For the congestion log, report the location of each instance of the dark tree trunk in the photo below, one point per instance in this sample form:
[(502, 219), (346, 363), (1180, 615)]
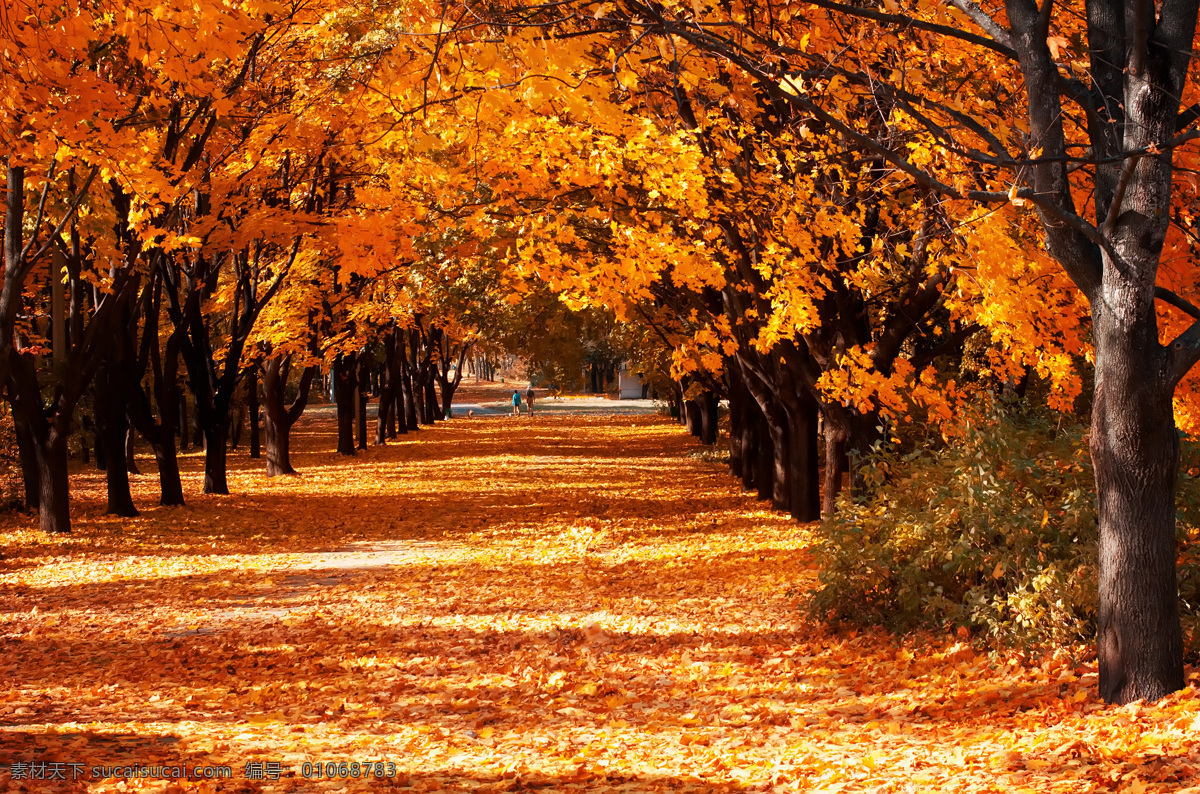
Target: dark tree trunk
[(111, 394), (236, 425), (1135, 452), (385, 416), (170, 485), (708, 418), (763, 470), (345, 379), (847, 434), (418, 397), (691, 413), (277, 434), (395, 423), (791, 422), (130, 458), (804, 501), (27, 456), (408, 394), (182, 429), (253, 407), (165, 370), (837, 445), (86, 433), (53, 499), (738, 396), (215, 480), (388, 382), (280, 417), (431, 400), (362, 395), (48, 441)]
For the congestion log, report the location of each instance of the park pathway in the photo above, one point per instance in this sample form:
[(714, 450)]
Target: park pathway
[(573, 602)]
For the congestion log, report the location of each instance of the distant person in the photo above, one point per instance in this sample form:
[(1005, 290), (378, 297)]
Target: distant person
[(529, 399), (516, 401)]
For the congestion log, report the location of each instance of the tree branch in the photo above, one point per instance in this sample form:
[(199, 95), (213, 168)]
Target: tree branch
[(985, 22), (1184, 305), (908, 22), (1114, 209)]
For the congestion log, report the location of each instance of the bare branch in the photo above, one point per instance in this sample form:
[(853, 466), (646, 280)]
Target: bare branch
[(908, 22), (980, 18), (1167, 296)]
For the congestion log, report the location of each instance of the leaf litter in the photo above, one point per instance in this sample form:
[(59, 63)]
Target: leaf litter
[(572, 603)]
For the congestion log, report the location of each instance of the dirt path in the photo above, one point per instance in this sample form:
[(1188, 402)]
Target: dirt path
[(577, 603)]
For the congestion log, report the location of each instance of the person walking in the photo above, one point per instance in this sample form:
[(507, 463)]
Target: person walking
[(529, 399), (516, 401)]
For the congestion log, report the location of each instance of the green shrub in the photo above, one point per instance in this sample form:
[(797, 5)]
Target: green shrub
[(995, 532)]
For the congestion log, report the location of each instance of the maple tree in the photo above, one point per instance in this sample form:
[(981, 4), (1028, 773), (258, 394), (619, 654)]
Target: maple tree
[(706, 236), (1093, 157)]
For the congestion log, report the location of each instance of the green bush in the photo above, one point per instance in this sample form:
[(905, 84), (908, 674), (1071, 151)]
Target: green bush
[(995, 532)]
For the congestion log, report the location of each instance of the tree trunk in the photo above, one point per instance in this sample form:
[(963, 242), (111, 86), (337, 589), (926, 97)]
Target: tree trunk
[(345, 380), (804, 501), (409, 397), (278, 439), (708, 405), (691, 413), (279, 457), (362, 395), (385, 416), (130, 458), (1135, 452), (215, 480), (169, 484), (253, 406), (183, 427), (54, 494), (763, 471), (418, 396), (847, 433), (98, 449), (837, 445), (389, 386), (236, 425), (110, 396), (431, 400), (738, 396), (168, 400), (279, 418), (27, 455)]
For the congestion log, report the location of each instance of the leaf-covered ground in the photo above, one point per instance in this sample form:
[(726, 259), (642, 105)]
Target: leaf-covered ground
[(568, 603)]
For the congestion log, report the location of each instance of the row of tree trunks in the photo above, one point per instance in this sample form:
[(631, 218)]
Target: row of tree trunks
[(773, 433), (396, 393), (141, 391)]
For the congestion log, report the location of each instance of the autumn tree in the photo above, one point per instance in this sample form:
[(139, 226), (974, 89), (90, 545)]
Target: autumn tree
[(1092, 152)]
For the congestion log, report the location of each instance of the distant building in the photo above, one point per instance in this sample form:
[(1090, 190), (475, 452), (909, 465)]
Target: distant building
[(629, 385)]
